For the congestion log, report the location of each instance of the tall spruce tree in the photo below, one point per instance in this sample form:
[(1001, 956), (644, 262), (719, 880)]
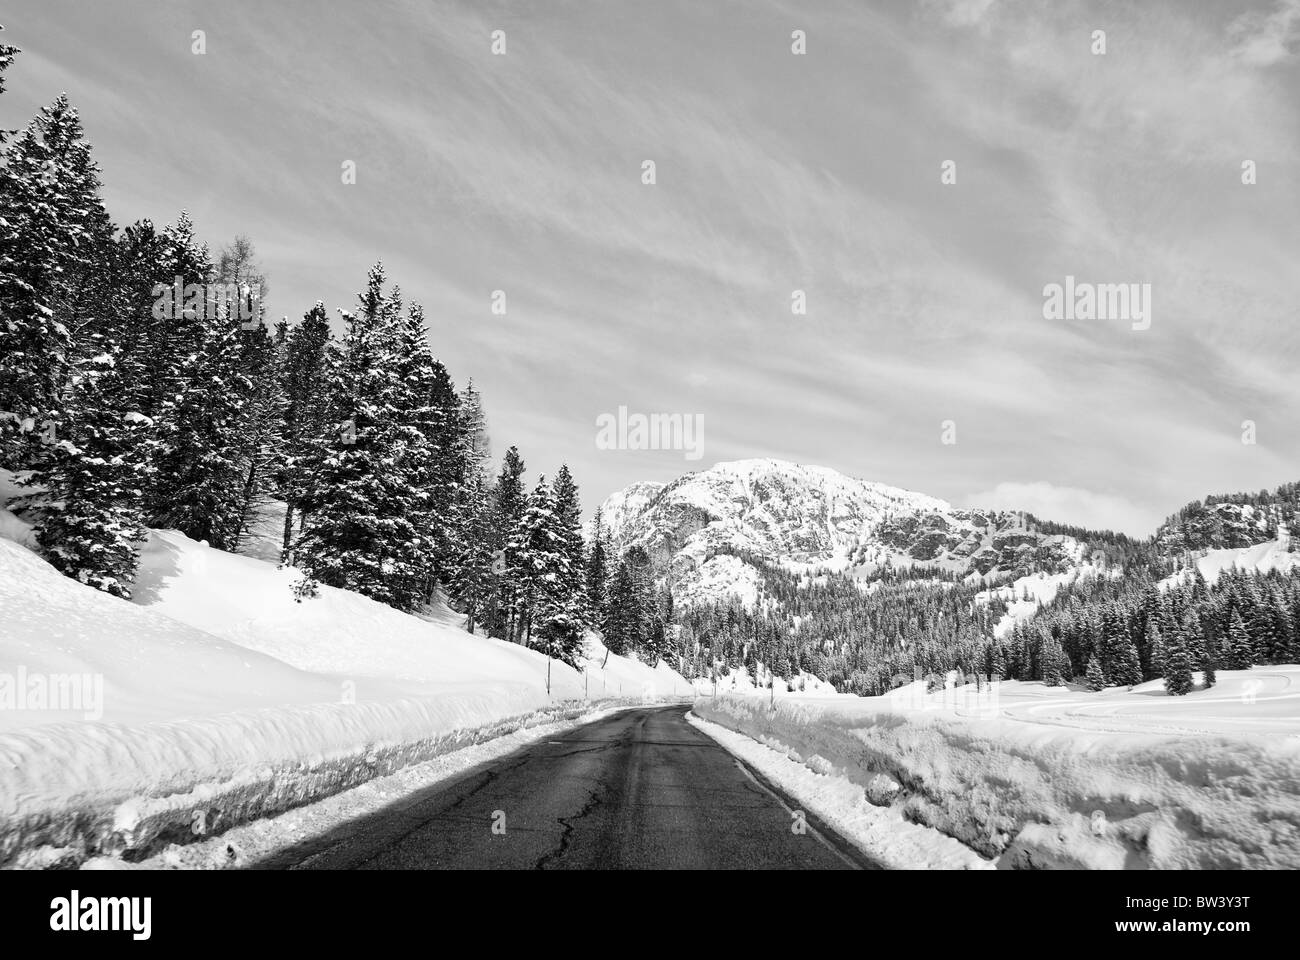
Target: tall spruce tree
[(1096, 678), (52, 230), (508, 501), (361, 531), (1178, 667), (1241, 649), (597, 573), (305, 386)]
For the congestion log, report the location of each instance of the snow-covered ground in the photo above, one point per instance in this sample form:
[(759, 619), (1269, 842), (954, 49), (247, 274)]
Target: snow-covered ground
[(881, 832), (1041, 777), (1261, 558), (214, 690)]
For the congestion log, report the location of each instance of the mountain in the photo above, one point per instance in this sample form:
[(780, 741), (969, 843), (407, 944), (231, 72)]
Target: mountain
[(1233, 521), (709, 532)]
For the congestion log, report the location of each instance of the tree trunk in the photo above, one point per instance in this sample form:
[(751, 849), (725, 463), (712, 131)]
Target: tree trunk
[(286, 549)]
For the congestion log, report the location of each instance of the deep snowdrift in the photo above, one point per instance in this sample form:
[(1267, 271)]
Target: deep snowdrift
[(215, 698), (1050, 777)]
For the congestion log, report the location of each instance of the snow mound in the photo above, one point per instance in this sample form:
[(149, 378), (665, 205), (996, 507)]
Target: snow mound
[(1051, 777)]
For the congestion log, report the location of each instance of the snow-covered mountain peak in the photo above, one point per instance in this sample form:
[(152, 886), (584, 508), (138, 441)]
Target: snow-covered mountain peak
[(804, 517), (774, 508)]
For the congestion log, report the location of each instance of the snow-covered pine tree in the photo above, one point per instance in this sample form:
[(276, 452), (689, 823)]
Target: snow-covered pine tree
[(998, 661), (359, 533), (178, 327), (1284, 628), (1053, 658), (468, 568), (474, 428), (1263, 633), (1156, 647), (200, 469), (1128, 671), (507, 510), (305, 385), (622, 629), (94, 476), (1095, 677), (90, 515), (417, 422), (7, 54), (540, 565), (568, 515), (262, 438), (597, 572), (1241, 649), (1211, 659), (1178, 667), (451, 471), (239, 294), (470, 577), (52, 228)]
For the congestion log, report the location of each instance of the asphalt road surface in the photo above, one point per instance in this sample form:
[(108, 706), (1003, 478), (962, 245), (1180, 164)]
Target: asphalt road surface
[(640, 789)]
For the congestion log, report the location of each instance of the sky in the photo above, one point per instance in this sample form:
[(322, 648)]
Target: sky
[(774, 172)]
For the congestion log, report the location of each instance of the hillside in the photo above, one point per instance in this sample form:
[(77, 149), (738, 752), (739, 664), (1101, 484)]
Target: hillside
[(214, 689)]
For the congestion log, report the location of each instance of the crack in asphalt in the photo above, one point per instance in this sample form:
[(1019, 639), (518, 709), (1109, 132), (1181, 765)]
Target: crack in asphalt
[(594, 800), (569, 823)]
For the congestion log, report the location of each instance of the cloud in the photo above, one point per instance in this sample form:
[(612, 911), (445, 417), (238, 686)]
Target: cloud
[(1071, 505), (1263, 40)]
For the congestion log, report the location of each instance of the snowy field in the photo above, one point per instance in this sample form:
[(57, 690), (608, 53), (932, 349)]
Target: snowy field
[(215, 698), (1031, 776)]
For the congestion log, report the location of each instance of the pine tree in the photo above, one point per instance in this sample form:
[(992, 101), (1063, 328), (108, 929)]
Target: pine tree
[(1283, 639), (507, 511), (305, 386), (452, 466), (51, 231), (622, 631), (597, 572), (1095, 678), (360, 531), (1211, 660), (474, 424), (1128, 671), (1194, 637), (568, 515), (1241, 650), (1053, 658), (470, 577), (7, 54), (1263, 638), (199, 469), (1156, 646), (416, 424), (467, 568), (543, 575), (91, 511), (1178, 668)]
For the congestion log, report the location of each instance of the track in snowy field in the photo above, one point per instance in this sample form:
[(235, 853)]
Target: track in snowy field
[(638, 789)]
